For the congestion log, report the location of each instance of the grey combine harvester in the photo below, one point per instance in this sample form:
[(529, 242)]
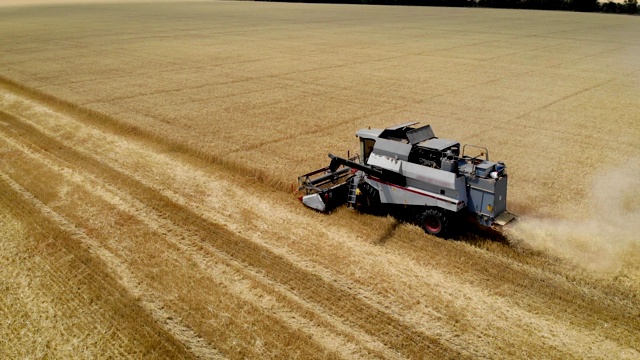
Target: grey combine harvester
[(407, 170)]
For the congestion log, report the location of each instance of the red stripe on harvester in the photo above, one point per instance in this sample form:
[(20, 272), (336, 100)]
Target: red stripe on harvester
[(414, 191)]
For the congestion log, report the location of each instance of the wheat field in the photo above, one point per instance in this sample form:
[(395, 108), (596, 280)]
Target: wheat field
[(149, 153)]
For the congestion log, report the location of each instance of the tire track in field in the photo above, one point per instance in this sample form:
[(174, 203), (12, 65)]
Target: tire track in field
[(314, 131), (575, 93), (586, 305), (202, 254), (170, 322), (486, 302), (117, 126), (336, 335), (69, 235), (54, 281), (391, 331)]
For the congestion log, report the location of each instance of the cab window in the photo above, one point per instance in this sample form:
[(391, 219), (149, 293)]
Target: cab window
[(366, 147)]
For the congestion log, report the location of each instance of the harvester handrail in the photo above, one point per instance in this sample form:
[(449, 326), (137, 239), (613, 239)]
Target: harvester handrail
[(485, 153)]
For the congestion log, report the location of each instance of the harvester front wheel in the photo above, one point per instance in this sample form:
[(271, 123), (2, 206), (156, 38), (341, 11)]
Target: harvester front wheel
[(435, 222), (369, 199)]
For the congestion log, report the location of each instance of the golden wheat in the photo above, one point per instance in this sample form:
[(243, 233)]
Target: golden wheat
[(159, 151)]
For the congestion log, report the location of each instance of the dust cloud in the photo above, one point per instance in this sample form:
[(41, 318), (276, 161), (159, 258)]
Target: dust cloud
[(605, 240)]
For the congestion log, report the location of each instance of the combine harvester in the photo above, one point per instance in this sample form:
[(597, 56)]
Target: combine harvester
[(410, 173)]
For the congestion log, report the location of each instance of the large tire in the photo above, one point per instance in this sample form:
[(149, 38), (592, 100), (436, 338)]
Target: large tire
[(435, 222), (369, 199)]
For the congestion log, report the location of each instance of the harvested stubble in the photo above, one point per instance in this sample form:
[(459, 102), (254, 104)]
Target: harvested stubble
[(138, 142)]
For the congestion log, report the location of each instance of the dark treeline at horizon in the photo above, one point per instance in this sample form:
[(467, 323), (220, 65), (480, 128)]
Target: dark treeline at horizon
[(627, 7)]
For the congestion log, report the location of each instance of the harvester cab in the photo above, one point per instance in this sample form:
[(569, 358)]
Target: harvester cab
[(409, 171)]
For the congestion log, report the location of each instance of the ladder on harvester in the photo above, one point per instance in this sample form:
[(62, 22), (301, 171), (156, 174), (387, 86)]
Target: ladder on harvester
[(353, 190)]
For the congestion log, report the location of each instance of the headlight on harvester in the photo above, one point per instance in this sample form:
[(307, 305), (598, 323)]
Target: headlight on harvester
[(494, 174)]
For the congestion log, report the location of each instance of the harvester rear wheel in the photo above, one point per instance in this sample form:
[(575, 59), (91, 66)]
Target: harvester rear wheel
[(435, 222)]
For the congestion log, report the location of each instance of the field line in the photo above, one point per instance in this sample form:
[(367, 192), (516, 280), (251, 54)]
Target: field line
[(109, 123), (170, 322), (568, 96)]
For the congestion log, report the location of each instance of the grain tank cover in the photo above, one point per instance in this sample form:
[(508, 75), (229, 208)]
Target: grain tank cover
[(369, 133), (438, 144), (403, 125), (392, 149), (420, 134)]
